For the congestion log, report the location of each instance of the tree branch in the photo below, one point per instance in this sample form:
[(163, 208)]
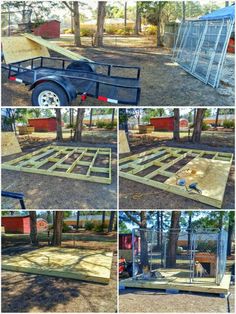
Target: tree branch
[(131, 217), (68, 6)]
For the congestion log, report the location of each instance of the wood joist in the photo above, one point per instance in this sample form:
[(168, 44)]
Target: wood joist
[(207, 168), (82, 163)]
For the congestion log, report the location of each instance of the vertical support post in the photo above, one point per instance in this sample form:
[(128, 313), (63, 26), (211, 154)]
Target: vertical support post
[(133, 252)]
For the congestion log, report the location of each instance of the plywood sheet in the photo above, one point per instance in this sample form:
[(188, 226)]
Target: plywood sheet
[(88, 265), (123, 143), (210, 175), (10, 144), (173, 280), (20, 48), (45, 43)]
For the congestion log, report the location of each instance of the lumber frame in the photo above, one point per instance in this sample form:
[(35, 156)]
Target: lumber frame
[(33, 162), (158, 155)]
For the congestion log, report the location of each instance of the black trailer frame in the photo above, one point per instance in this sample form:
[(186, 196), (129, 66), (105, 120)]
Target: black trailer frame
[(76, 77)]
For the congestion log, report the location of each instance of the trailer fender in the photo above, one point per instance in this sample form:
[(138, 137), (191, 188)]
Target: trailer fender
[(62, 82)]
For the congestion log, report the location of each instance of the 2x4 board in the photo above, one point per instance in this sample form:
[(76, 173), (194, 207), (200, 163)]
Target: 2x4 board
[(163, 167), (89, 265), (82, 163)]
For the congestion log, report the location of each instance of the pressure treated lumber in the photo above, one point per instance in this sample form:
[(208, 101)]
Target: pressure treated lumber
[(45, 43), (123, 143), (79, 264), (173, 280), (10, 144), (210, 170), (19, 48), (82, 163)]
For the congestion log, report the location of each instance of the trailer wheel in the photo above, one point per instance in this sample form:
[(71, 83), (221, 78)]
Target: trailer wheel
[(80, 65), (49, 94)]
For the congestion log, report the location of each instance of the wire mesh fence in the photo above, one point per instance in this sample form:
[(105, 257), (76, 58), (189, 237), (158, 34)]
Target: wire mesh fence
[(186, 255), (201, 46)]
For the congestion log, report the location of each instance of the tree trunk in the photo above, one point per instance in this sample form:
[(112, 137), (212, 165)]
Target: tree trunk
[(136, 27), (111, 221), (91, 118), (125, 14), (77, 220), (196, 137), (189, 229), (100, 23), (176, 125), (103, 218), (113, 117), (77, 23), (173, 240), (33, 228), (79, 125), (144, 244), (59, 128), (183, 11), (57, 228), (159, 40), (217, 117)]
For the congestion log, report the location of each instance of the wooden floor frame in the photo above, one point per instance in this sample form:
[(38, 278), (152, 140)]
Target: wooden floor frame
[(134, 163), (203, 287), (33, 161)]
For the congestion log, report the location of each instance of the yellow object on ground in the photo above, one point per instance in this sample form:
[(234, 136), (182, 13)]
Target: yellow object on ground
[(123, 143), (80, 264), (10, 144)]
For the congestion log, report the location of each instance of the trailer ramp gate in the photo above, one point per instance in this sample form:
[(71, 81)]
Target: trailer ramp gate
[(201, 46)]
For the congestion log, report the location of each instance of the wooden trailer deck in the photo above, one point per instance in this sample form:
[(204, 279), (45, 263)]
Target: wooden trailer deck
[(176, 279), (79, 264), (156, 168), (82, 163)]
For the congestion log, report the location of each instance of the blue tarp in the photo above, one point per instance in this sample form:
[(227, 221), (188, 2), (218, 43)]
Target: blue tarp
[(227, 12)]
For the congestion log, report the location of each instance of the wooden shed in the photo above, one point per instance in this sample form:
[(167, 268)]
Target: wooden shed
[(49, 29), (44, 124), (21, 224), (167, 123)]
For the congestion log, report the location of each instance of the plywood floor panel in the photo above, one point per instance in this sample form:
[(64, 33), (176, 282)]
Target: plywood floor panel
[(80, 264)]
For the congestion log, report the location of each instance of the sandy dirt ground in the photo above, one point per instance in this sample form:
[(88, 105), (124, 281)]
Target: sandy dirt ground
[(45, 192), (162, 81), (156, 301), (35, 293), (134, 195)]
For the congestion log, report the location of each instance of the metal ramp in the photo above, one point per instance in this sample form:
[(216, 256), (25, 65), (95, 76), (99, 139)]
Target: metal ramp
[(201, 46)]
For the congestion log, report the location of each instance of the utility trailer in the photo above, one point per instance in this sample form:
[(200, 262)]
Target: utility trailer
[(58, 81)]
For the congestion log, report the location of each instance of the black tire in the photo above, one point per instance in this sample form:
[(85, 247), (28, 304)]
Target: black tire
[(82, 66), (57, 93)]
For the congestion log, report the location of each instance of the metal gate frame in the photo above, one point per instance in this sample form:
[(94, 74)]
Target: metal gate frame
[(180, 47)]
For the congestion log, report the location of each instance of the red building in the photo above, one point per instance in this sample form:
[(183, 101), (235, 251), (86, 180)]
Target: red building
[(125, 241), (21, 224), (167, 123), (49, 29), (44, 124)]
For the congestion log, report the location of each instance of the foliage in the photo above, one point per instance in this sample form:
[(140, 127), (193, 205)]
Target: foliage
[(207, 246), (65, 228), (123, 228), (228, 124), (100, 227), (86, 31), (89, 225), (205, 126), (151, 30), (100, 124)]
